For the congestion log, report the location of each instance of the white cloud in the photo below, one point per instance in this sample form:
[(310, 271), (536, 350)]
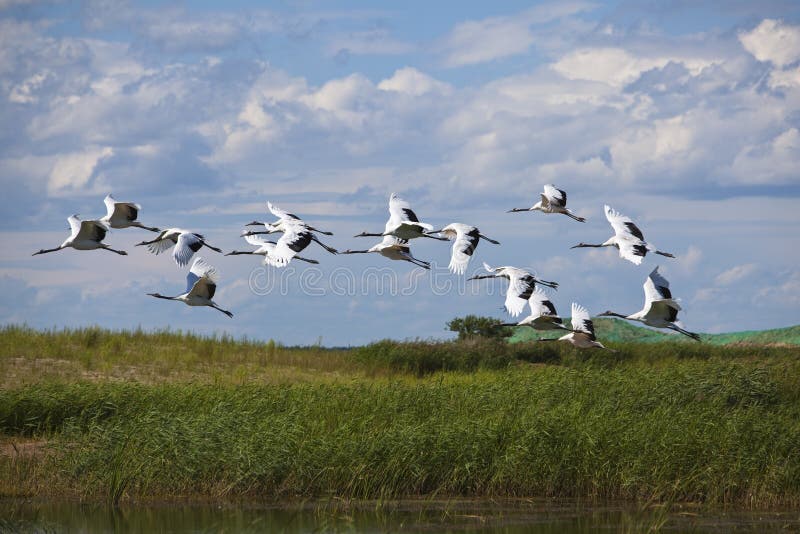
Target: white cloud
[(72, 172), (773, 41), (735, 274), (774, 161), (410, 81), (479, 41), (616, 66)]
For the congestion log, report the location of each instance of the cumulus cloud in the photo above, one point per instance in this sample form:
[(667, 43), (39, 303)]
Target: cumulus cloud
[(410, 81), (735, 274), (73, 171), (774, 41), (479, 41)]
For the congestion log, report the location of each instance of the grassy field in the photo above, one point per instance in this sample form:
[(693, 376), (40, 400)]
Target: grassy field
[(130, 416), (620, 331)]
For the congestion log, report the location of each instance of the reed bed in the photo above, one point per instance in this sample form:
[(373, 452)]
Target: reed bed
[(650, 423)]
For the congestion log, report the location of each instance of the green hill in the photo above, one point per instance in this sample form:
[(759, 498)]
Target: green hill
[(617, 331)]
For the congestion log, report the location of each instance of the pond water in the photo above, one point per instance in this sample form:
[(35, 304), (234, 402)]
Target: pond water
[(507, 517)]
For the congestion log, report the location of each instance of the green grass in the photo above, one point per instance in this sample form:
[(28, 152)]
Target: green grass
[(661, 422), (620, 331)]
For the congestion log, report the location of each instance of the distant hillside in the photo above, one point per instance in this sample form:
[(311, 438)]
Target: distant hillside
[(617, 330)]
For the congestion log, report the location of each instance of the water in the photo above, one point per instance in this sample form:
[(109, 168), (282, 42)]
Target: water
[(506, 517)]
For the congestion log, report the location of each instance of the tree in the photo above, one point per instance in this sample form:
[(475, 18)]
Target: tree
[(473, 326)]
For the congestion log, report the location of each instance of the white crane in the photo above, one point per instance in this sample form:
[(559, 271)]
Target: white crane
[(543, 314), (520, 286), (466, 240), (85, 235), (552, 201), (660, 309), (582, 335), (403, 223), (283, 215), (394, 249), (265, 248), (123, 214), (296, 237), (201, 284), (627, 238), (186, 244)]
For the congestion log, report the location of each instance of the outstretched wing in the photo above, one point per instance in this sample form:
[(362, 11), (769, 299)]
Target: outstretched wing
[(281, 214), (255, 240), (162, 244), (623, 226), (656, 287), (540, 304), (188, 243), (400, 210), (74, 225), (109, 202), (555, 197), (294, 239), (633, 251), (463, 247), (519, 291), (92, 230), (202, 279), (581, 322)]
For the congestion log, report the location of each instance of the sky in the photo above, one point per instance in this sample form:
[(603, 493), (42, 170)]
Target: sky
[(682, 115)]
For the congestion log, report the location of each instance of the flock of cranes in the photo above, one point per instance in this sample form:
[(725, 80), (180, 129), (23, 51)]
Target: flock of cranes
[(660, 308)]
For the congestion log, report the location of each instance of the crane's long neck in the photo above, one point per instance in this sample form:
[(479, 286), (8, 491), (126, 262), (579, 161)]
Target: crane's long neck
[(237, 252), (348, 251), (160, 296), (46, 250), (589, 245), (366, 234), (613, 314)]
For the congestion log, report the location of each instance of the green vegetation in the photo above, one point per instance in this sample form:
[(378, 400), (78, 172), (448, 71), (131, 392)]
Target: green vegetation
[(473, 326), (116, 416), (620, 331)]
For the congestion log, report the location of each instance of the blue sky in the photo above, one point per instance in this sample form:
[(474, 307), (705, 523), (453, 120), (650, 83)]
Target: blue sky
[(682, 115)]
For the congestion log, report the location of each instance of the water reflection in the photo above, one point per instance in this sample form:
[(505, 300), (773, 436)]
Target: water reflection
[(496, 517)]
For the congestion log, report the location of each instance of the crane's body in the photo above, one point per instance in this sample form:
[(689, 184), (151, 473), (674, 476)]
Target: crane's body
[(543, 314), (283, 217), (660, 309), (201, 285), (296, 237), (552, 200), (186, 244), (84, 235), (123, 215), (403, 223), (465, 240), (392, 248), (264, 248), (520, 287), (582, 335), (627, 238)]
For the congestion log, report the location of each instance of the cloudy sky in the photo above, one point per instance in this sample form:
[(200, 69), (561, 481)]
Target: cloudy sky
[(682, 115)]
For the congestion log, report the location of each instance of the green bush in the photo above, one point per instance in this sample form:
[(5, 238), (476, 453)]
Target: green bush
[(473, 326)]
